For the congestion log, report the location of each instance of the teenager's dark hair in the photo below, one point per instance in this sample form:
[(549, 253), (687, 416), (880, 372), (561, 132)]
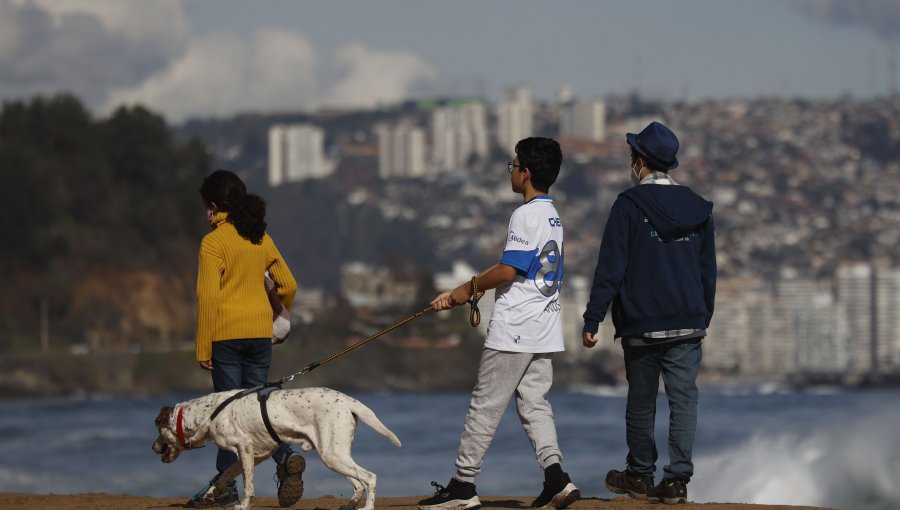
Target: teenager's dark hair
[(543, 157), (247, 212)]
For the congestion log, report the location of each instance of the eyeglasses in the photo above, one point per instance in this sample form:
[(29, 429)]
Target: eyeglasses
[(511, 165)]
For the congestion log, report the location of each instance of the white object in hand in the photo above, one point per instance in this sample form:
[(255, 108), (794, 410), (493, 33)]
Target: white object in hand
[(281, 328)]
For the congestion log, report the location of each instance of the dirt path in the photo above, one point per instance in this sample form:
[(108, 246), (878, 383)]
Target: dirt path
[(125, 502)]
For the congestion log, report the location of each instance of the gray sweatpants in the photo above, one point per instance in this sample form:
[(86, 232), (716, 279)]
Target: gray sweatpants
[(500, 375)]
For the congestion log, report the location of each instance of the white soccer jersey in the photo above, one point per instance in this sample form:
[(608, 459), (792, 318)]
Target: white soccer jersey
[(526, 316)]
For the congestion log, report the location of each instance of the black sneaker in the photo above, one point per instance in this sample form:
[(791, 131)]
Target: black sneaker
[(670, 492), (456, 495), (209, 497), (624, 482), (289, 478), (558, 493)]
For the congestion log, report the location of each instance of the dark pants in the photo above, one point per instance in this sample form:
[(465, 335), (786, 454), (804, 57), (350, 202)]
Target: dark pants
[(678, 362), (241, 364)]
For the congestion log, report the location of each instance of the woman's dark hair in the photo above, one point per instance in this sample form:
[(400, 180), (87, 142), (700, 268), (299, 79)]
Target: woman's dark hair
[(543, 157), (247, 212)]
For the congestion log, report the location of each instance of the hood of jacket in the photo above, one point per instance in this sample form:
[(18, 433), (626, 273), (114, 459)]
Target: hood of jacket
[(673, 210)]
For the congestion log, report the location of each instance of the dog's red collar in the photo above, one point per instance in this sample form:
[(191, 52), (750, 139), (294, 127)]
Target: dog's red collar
[(180, 430)]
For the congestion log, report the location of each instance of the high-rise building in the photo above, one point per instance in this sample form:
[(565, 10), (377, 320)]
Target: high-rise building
[(848, 327), (760, 339), (809, 328), (458, 133), (740, 337), (297, 152), (855, 296), (821, 335), (887, 319), (584, 120), (401, 151), (515, 117)]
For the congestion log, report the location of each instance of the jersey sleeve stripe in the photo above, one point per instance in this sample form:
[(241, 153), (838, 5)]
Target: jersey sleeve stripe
[(521, 260)]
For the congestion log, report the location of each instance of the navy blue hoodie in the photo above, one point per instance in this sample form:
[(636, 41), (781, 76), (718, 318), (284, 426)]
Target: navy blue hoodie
[(657, 263)]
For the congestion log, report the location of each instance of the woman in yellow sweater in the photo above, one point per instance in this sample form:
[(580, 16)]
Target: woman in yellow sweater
[(234, 316)]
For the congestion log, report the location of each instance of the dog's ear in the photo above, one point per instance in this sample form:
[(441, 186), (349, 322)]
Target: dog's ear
[(162, 419)]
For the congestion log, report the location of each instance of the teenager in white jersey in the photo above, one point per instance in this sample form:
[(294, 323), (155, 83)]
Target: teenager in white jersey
[(523, 334)]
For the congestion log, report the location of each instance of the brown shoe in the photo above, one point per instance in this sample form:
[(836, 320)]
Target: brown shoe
[(289, 476), (624, 482), (670, 492)]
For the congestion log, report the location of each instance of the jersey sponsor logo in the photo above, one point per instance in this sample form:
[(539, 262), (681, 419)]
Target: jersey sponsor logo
[(555, 222), (517, 238)]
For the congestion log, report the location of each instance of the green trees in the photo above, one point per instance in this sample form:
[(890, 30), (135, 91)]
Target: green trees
[(94, 213)]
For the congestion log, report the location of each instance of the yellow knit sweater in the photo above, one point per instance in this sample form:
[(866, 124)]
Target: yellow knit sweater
[(231, 295)]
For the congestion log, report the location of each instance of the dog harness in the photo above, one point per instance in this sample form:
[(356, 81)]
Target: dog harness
[(262, 392)]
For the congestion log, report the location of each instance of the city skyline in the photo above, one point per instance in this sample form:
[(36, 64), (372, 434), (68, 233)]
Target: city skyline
[(205, 58), (788, 324)]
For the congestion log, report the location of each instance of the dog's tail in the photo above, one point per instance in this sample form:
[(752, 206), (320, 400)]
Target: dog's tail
[(366, 416)]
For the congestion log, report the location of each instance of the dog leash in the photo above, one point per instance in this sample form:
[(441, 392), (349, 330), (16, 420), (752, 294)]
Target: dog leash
[(309, 368), (474, 320), (267, 388), (474, 312)]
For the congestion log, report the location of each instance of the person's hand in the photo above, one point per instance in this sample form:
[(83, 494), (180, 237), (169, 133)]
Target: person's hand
[(442, 302), (460, 295), (206, 365), (449, 299), (587, 339)]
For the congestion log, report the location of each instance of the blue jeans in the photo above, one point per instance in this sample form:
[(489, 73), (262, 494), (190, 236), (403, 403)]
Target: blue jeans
[(241, 364), (679, 363)]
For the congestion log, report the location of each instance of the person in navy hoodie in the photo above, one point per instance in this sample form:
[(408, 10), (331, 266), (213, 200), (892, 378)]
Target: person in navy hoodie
[(657, 267)]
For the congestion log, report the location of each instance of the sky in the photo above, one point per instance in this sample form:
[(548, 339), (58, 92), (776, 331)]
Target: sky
[(217, 58)]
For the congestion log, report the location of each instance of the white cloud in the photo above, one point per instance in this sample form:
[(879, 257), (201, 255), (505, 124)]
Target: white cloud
[(85, 47), (110, 52), (161, 23), (222, 73), (367, 77)]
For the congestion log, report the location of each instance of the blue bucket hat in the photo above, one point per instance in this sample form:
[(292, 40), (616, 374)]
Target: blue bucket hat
[(657, 143)]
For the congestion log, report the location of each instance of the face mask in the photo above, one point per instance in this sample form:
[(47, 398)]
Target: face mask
[(635, 176)]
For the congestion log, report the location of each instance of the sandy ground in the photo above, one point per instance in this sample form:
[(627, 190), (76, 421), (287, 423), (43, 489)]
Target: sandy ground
[(126, 502)]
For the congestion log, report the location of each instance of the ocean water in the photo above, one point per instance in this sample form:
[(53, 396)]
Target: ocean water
[(755, 444)]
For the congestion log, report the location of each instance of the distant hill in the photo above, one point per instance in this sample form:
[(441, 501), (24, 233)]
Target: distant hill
[(101, 223)]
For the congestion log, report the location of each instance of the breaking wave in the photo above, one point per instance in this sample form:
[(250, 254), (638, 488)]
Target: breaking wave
[(850, 463)]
